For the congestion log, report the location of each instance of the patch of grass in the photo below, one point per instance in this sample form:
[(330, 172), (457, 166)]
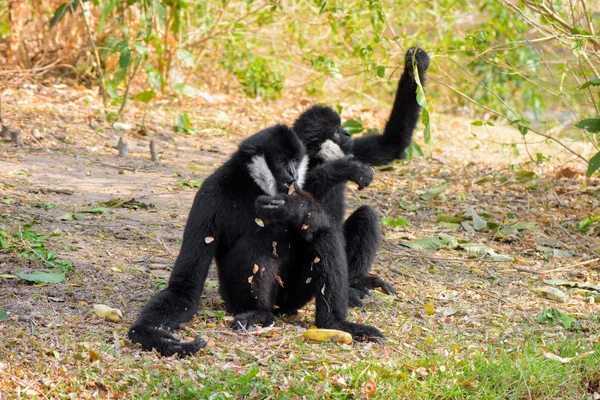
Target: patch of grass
[(29, 244)]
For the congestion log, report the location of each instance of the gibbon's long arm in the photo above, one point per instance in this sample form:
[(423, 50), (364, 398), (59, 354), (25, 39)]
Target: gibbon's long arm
[(397, 136), (179, 302), (322, 178)]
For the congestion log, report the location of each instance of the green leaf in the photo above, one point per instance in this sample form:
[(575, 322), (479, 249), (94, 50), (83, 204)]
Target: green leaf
[(398, 221), (524, 225), (433, 243), (591, 125), (353, 126), (422, 101), (3, 315), (42, 277), (142, 49), (125, 59), (591, 82), (185, 89), (593, 165), (46, 206), (62, 10), (477, 123), (478, 222), (8, 276), (145, 96), (434, 193), (381, 71), (448, 218), (525, 176), (97, 210), (186, 58)]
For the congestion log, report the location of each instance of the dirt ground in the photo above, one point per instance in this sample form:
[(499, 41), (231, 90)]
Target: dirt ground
[(123, 256)]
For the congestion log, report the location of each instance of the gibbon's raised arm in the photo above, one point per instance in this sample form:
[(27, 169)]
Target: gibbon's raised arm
[(398, 132)]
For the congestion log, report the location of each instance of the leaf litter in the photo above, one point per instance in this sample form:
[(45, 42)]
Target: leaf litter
[(470, 284)]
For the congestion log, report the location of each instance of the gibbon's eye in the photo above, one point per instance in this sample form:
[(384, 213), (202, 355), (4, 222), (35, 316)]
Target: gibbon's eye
[(280, 160)]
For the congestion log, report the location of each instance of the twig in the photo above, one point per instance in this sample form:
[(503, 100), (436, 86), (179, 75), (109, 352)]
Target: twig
[(568, 267), (89, 32), (27, 385), (162, 243), (135, 69)]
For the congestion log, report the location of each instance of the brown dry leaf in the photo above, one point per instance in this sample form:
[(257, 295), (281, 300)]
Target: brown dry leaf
[(278, 279), (316, 260), (250, 279), (93, 355), (304, 227), (292, 190), (275, 249), (209, 239), (369, 388), (255, 269)]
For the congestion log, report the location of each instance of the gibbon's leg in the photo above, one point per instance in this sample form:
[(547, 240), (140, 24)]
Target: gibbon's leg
[(248, 281), (331, 283), (363, 237), (179, 302)]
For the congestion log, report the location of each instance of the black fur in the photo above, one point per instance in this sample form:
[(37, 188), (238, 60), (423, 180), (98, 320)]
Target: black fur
[(328, 177), (222, 225)]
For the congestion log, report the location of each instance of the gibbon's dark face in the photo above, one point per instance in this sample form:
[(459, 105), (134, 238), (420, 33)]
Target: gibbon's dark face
[(279, 160), (319, 128)]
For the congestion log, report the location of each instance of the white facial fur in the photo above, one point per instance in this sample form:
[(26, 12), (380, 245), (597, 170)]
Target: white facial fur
[(262, 175), (302, 168), (330, 151)]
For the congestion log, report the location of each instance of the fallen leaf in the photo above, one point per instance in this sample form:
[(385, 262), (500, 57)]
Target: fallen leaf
[(316, 260), (304, 227), (278, 279), (332, 335), (255, 269), (292, 190), (108, 313), (259, 222), (93, 355), (42, 277), (550, 293), (368, 388), (429, 309), (250, 279), (209, 239)]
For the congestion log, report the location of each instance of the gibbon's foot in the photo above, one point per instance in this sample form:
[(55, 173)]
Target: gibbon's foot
[(367, 283), (358, 331), (151, 337), (421, 58), (244, 321), (355, 297)]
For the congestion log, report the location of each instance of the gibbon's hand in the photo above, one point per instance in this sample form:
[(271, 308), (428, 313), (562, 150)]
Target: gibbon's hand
[(421, 58)]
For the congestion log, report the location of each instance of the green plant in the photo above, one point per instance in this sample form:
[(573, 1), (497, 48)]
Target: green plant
[(29, 244)]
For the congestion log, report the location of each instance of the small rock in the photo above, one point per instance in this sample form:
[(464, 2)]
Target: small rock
[(36, 133)]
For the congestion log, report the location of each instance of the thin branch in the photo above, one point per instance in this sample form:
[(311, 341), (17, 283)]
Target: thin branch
[(89, 32)]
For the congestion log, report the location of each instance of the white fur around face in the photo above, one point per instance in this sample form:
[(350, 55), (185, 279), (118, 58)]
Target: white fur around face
[(330, 151), (302, 168), (262, 175)]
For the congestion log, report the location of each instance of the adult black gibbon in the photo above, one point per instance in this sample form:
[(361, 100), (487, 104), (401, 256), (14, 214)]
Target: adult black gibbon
[(256, 265), (335, 158)]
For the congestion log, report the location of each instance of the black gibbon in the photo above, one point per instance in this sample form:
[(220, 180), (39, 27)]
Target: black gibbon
[(335, 159), (294, 257)]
